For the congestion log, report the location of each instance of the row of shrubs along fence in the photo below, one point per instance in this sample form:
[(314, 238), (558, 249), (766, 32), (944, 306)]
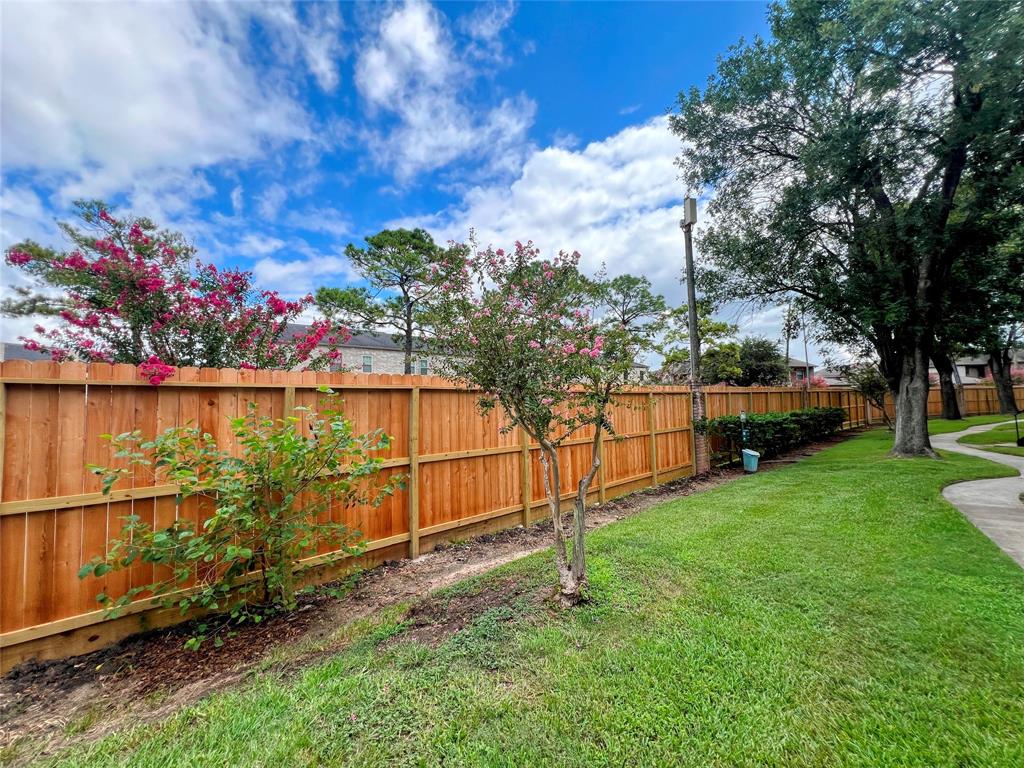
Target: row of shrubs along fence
[(465, 474), (772, 433)]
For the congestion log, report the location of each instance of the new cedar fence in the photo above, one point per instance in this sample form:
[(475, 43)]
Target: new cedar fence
[(466, 475)]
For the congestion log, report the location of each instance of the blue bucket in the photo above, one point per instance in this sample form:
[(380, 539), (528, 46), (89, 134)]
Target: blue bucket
[(750, 460)]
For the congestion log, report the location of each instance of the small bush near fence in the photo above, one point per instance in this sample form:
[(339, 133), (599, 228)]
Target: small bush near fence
[(272, 507), (773, 433)]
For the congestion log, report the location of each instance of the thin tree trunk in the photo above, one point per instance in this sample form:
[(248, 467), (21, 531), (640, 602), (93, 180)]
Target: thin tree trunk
[(999, 362), (579, 557), (408, 337), (911, 399), (807, 365), (947, 387), (552, 477)]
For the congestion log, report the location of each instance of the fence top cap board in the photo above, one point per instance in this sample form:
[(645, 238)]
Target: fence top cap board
[(121, 374)]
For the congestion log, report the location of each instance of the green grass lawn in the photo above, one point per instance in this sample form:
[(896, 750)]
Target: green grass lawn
[(943, 426), (835, 612), (990, 439)]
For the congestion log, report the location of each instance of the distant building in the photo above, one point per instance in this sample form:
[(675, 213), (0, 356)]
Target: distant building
[(833, 377), (376, 352), (16, 351), (799, 369)]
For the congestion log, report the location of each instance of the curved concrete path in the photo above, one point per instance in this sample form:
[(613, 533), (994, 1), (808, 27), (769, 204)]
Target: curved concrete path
[(994, 506)]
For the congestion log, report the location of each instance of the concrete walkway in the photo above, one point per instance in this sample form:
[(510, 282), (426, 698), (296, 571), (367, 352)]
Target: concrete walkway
[(994, 506)]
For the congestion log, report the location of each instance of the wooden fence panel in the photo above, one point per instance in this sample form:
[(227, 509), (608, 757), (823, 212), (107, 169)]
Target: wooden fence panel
[(466, 468)]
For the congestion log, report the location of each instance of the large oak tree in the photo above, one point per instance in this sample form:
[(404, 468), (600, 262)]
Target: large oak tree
[(836, 154)]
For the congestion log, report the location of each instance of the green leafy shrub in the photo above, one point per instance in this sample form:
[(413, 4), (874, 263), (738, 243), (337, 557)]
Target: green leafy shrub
[(271, 505), (773, 433)]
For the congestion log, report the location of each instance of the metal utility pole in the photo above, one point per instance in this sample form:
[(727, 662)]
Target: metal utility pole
[(686, 224)]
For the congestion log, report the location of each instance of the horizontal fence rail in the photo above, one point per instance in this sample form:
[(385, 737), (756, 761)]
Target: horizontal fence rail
[(465, 473)]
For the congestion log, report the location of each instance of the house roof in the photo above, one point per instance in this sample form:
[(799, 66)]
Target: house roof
[(832, 375), (16, 351), (795, 363), (972, 360), (359, 340)]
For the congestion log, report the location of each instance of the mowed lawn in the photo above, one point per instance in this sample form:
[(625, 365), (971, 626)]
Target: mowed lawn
[(990, 439), (835, 612), (944, 426)]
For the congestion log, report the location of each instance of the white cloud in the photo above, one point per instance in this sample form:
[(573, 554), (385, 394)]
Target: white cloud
[(237, 202), (485, 26), (271, 200), (328, 220), (258, 245), (100, 97), (411, 72), (629, 110), (616, 201), (298, 277)]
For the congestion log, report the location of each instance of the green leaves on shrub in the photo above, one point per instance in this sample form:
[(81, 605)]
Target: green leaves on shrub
[(773, 433), (267, 508)]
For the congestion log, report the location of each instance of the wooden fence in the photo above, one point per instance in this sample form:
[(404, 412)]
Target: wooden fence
[(977, 400), (466, 475)]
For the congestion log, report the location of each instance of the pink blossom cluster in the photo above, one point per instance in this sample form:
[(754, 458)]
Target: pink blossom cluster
[(155, 370), (137, 295)]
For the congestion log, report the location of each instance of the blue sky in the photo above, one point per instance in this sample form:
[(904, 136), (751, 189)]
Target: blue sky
[(275, 134)]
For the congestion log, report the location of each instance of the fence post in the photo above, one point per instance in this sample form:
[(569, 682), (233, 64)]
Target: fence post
[(654, 438), (3, 436), (525, 476), (414, 473)]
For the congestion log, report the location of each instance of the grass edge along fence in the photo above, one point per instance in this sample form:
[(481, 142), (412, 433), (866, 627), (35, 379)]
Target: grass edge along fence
[(466, 476)]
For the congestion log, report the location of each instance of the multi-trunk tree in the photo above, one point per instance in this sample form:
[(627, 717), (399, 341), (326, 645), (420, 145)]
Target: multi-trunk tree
[(129, 292), (550, 348), (406, 274), (837, 153)]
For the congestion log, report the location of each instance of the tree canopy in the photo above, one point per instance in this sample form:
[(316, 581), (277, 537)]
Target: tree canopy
[(761, 363), (837, 154), (405, 271)]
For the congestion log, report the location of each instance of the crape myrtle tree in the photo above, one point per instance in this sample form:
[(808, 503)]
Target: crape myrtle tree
[(406, 272), (129, 292), (550, 348), (836, 153)]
